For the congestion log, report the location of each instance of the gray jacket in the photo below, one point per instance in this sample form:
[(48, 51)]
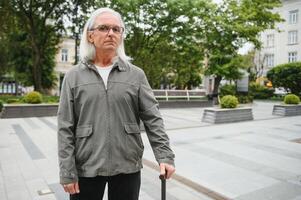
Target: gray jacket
[(98, 129)]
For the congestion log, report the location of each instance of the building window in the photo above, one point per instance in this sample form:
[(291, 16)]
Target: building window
[(270, 40), (292, 37), (292, 57), (269, 60), (293, 17), (64, 55)]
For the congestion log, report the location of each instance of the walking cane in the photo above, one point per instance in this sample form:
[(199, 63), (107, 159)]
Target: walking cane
[(163, 187)]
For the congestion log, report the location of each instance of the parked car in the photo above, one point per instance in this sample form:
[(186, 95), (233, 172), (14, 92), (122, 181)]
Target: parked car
[(281, 91)]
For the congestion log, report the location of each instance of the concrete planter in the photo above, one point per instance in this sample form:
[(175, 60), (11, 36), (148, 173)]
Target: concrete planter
[(287, 110), (44, 110), (219, 115), (28, 110)]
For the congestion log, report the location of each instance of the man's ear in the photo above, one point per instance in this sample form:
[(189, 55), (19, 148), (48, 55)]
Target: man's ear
[(90, 37)]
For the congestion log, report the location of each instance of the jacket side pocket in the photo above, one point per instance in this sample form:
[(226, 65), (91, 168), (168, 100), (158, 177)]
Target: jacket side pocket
[(134, 141), (83, 143)]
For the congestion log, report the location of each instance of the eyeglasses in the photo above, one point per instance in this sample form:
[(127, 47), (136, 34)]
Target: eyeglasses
[(107, 28)]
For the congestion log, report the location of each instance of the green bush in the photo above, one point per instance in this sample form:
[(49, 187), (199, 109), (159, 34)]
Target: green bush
[(13, 100), (245, 98), (260, 92), (277, 98), (230, 89), (227, 89), (229, 101), (291, 99), (33, 97), (1, 105)]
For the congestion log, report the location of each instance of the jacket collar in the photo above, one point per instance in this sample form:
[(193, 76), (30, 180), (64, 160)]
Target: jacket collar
[(119, 64)]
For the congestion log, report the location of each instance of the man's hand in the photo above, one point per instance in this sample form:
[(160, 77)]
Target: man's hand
[(71, 188), (166, 170)]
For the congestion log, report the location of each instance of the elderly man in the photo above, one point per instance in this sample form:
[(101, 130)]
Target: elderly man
[(102, 101)]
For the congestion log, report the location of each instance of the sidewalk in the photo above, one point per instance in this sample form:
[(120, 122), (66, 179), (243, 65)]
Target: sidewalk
[(255, 160)]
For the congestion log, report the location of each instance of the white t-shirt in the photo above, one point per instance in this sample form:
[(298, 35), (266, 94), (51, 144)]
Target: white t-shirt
[(104, 73)]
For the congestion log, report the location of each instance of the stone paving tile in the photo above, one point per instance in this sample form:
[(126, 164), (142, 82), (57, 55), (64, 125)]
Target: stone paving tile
[(29, 145), (59, 191), (271, 142), (15, 186), (31, 123), (36, 185), (47, 170), (280, 191), (143, 195), (27, 167), (48, 123), (266, 158), (2, 186), (243, 163)]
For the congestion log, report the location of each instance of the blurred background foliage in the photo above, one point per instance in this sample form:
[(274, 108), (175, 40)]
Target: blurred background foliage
[(175, 42)]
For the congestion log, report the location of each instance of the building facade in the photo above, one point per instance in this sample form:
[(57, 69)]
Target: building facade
[(284, 46), (65, 60)]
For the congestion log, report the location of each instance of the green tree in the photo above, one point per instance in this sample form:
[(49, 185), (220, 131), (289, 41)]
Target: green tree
[(78, 10), (234, 23), (7, 25), (287, 76), (39, 26), (32, 37), (156, 40)]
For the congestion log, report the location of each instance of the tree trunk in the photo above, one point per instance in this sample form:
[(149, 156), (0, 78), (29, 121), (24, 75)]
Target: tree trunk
[(217, 81), (36, 55), (37, 78), (75, 48)]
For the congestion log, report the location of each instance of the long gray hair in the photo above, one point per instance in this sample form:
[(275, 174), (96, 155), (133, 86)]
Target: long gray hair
[(87, 49)]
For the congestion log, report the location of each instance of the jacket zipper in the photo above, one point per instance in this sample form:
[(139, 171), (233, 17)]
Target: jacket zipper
[(108, 122), (109, 127), (109, 134)]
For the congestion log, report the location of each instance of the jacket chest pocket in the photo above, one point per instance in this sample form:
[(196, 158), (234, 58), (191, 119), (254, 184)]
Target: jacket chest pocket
[(83, 143), (134, 144)]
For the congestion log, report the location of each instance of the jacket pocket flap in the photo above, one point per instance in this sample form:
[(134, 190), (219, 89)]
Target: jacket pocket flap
[(132, 128), (83, 131)]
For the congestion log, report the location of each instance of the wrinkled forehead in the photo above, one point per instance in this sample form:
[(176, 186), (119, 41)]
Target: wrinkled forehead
[(107, 18)]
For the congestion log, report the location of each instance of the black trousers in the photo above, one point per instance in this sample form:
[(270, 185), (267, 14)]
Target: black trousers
[(120, 187)]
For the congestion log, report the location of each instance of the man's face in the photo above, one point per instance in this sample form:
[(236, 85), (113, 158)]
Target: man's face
[(106, 33)]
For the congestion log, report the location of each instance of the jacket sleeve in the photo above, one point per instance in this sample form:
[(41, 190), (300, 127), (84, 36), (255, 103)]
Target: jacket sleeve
[(153, 123), (66, 141)]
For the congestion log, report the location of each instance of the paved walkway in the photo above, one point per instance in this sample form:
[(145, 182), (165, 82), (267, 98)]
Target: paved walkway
[(256, 160)]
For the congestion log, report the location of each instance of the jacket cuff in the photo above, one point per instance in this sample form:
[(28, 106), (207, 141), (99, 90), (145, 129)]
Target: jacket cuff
[(167, 161), (66, 178)]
